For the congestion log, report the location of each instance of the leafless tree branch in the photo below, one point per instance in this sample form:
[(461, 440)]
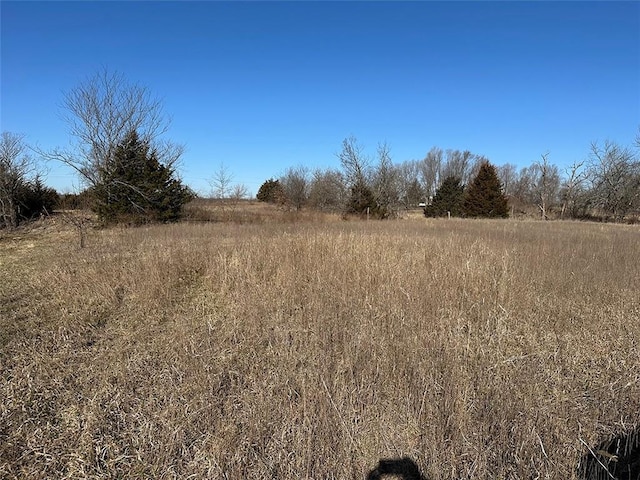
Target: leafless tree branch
[(15, 168), (99, 113)]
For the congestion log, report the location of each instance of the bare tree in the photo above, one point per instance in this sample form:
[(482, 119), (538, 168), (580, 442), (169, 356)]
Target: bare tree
[(357, 171), (327, 190), (459, 164), (354, 162), (295, 183), (537, 184), (522, 187), (221, 183), (15, 168), (545, 184), (572, 188), (614, 176), (385, 183), (410, 190), (81, 222), (239, 192), (99, 113), (431, 171), (508, 174), (226, 194)]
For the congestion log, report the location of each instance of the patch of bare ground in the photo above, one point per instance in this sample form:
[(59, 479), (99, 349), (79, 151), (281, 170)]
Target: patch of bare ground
[(479, 349)]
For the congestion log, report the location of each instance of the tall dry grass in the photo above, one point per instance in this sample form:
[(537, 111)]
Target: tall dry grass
[(481, 349)]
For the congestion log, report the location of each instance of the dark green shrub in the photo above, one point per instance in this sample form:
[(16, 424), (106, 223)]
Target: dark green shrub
[(271, 191), (448, 199), (136, 188)]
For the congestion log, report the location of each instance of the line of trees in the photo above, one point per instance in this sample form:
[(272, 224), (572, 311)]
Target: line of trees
[(606, 185), (129, 171), (23, 194)]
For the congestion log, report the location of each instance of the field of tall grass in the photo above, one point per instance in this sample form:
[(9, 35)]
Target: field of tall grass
[(480, 349)]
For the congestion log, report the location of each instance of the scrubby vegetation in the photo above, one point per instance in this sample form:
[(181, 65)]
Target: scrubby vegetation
[(485, 349)]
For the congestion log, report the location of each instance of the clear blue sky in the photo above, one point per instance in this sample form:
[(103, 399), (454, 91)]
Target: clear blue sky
[(262, 86)]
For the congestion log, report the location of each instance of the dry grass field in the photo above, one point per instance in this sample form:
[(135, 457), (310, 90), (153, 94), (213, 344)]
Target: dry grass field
[(311, 349)]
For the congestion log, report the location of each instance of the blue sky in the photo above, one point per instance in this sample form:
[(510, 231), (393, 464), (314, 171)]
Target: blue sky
[(262, 86)]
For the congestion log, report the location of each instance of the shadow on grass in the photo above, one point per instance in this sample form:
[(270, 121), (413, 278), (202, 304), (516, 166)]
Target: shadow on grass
[(615, 459), (404, 468)]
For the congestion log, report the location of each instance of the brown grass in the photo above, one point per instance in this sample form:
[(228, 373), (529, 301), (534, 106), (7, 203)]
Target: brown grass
[(249, 211), (481, 349)]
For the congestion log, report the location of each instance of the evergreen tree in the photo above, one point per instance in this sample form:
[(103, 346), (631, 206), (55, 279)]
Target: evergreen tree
[(35, 198), (484, 197), (271, 191), (362, 198), (449, 198), (135, 187)]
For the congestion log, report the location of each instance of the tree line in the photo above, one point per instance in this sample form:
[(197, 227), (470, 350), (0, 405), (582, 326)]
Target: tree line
[(23, 194), (129, 172), (604, 186)]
